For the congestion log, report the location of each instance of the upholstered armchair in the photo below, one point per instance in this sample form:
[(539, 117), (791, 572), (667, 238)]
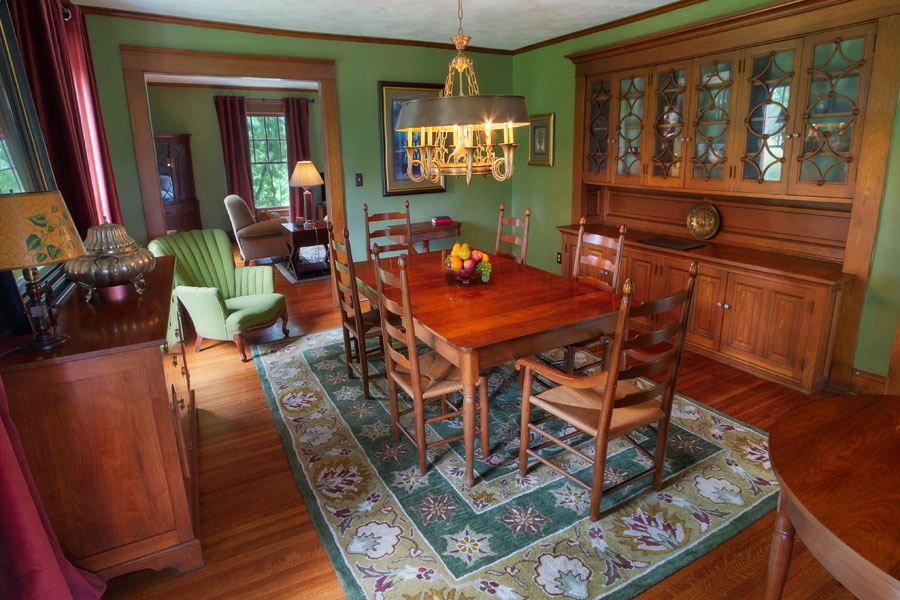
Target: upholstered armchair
[(256, 240), (222, 300)]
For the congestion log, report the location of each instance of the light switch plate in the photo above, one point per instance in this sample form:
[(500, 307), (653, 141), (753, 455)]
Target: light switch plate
[(359, 180)]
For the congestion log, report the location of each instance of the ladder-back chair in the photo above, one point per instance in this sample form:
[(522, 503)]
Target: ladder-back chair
[(426, 378), (609, 404), (512, 238), (356, 326), (404, 244)]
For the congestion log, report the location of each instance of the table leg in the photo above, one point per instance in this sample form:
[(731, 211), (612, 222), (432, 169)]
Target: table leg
[(291, 249), (780, 555), (469, 374), (425, 247)]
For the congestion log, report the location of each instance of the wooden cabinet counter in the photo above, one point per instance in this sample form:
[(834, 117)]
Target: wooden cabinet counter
[(772, 314), (109, 429)]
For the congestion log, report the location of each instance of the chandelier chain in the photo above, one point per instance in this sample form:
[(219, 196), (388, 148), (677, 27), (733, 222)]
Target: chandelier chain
[(460, 17)]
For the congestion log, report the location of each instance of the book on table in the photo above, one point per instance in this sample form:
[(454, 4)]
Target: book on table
[(441, 220)]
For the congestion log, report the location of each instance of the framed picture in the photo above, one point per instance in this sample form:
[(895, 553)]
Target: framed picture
[(394, 176), (540, 140)]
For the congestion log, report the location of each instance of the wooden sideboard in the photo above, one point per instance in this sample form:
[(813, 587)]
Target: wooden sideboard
[(781, 117), (763, 312), (109, 428)]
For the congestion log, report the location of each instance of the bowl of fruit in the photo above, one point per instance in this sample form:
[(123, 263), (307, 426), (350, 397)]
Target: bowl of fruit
[(466, 264)]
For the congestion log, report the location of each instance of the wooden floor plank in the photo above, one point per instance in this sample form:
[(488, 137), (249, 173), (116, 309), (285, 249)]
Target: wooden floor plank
[(259, 541)]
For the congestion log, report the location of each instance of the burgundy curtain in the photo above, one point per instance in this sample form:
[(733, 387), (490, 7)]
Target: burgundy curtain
[(232, 113), (32, 565), (102, 180), (41, 34), (296, 126)]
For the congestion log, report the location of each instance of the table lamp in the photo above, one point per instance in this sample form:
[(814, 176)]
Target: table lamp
[(306, 176), (36, 230)]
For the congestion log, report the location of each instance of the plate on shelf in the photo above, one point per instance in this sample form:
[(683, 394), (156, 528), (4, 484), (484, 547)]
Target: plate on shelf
[(703, 220)]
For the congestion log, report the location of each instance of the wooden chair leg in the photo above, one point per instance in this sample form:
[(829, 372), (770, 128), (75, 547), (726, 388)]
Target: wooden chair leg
[(239, 342), (395, 411), (348, 355), (197, 343), (599, 471), (364, 367), (569, 360), (420, 434), (485, 427), (659, 459), (526, 419), (284, 327)]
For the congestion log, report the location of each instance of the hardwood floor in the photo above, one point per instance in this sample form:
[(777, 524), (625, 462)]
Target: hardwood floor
[(259, 541)]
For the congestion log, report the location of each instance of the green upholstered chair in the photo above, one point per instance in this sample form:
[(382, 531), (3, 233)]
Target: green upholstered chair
[(222, 300)]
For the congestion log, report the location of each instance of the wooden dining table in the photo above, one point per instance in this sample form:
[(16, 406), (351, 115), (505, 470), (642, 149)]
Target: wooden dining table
[(521, 311)]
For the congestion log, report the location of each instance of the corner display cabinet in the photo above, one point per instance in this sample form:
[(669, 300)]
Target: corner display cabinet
[(779, 116), (176, 181)]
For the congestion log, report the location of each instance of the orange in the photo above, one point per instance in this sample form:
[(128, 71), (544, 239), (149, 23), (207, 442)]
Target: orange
[(456, 263), (456, 248), (485, 258)]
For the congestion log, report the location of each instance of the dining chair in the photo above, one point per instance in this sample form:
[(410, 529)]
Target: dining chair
[(597, 271), (515, 240), (427, 378), (405, 245), (611, 404), (356, 326)]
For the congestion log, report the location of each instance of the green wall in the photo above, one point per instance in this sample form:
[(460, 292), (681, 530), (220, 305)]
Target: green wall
[(359, 67), (546, 79), (191, 110)]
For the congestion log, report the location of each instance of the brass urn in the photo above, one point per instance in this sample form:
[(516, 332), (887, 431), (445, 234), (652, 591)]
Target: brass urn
[(112, 257)]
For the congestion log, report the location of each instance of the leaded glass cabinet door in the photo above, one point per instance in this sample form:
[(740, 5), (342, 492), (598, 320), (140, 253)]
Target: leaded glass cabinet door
[(599, 129), (832, 100), (712, 150), (631, 130), (668, 140), (768, 95)]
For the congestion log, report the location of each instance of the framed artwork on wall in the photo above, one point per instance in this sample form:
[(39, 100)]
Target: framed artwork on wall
[(394, 160), (540, 140)]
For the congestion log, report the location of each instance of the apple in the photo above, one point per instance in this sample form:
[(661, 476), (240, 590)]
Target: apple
[(468, 265), (476, 256)]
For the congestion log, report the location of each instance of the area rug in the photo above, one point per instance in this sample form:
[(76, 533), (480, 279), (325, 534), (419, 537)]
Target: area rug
[(392, 533)]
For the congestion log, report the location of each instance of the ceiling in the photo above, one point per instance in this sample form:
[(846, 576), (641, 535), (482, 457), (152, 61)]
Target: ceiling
[(500, 24)]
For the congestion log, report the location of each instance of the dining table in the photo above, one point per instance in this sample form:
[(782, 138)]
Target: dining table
[(521, 311)]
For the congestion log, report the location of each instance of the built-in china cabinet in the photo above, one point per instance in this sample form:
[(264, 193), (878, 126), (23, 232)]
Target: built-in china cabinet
[(780, 117)]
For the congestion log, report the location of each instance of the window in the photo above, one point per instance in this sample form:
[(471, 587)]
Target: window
[(9, 176), (268, 160)]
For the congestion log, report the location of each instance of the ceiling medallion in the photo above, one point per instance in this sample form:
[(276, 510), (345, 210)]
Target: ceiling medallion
[(457, 134)]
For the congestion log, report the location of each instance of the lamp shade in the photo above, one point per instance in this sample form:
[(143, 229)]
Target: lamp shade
[(448, 111), (305, 175), (35, 230)]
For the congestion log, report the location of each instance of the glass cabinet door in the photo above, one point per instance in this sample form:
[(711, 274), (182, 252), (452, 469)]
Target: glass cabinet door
[(598, 149), (836, 69), (712, 123), (768, 93), (631, 100), (669, 139)]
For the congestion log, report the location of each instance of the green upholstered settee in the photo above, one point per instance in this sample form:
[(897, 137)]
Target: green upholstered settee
[(222, 300)]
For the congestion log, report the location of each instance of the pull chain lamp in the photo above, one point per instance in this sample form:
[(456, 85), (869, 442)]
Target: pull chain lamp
[(306, 176), (457, 134)]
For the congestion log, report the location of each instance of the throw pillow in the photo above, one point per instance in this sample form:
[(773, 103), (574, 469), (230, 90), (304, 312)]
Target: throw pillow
[(264, 215)]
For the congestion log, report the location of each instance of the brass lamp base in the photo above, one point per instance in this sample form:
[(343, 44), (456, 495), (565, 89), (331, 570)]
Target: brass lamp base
[(41, 311), (43, 341)]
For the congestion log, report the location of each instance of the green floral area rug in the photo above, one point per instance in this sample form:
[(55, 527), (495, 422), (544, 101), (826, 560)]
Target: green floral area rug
[(394, 534)]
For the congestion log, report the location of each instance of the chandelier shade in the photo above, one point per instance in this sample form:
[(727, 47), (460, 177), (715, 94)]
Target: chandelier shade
[(454, 134)]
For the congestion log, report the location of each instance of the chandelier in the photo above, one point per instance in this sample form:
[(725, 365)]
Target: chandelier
[(457, 134)]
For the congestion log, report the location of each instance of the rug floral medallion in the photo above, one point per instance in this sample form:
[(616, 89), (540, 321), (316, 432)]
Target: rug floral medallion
[(395, 534)]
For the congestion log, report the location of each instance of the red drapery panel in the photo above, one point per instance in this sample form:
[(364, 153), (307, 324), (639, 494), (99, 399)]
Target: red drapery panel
[(40, 32), (296, 128), (232, 113), (102, 180), (32, 565)]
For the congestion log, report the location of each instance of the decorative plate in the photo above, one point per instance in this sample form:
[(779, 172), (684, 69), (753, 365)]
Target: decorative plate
[(703, 220)]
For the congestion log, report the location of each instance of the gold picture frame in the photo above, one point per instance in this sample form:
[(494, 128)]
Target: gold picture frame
[(391, 95), (540, 140)]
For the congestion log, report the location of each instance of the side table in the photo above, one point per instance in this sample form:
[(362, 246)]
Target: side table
[(296, 236), (425, 232), (838, 462)]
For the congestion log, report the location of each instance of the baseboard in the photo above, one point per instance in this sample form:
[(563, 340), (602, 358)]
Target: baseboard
[(863, 382)]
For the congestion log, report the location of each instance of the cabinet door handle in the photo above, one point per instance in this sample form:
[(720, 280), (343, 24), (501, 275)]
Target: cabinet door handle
[(184, 370), (181, 403), (719, 304), (174, 360), (685, 139), (726, 306)]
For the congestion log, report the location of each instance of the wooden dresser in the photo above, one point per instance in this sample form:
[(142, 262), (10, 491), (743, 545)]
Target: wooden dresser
[(109, 427)]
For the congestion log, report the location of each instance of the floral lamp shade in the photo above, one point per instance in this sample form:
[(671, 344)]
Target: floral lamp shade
[(36, 230)]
